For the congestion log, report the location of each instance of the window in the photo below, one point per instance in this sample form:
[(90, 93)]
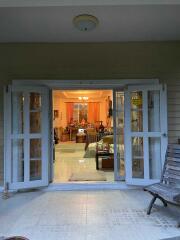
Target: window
[(80, 112)]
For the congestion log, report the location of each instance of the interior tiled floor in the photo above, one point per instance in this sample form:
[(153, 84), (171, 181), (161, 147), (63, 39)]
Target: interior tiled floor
[(69, 159), (86, 215)]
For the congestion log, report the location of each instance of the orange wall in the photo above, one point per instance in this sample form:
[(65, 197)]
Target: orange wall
[(59, 104)]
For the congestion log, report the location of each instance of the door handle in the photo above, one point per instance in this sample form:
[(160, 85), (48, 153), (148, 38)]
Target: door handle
[(164, 134)]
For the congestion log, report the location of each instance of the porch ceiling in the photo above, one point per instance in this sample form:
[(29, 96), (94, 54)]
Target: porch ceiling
[(118, 23)]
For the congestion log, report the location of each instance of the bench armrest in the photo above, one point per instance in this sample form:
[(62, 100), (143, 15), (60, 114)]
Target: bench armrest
[(177, 198)]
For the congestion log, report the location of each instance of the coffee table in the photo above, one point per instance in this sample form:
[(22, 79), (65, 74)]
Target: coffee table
[(102, 154)]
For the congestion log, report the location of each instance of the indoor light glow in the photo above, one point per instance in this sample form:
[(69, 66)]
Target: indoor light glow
[(83, 98)]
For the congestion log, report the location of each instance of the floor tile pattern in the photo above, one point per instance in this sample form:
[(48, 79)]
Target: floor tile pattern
[(86, 215)]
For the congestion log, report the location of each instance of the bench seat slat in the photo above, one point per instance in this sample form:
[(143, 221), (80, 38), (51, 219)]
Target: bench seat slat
[(177, 150), (173, 155), (173, 167), (172, 152), (172, 172), (177, 198), (172, 181), (173, 145), (168, 190), (165, 191), (173, 159)]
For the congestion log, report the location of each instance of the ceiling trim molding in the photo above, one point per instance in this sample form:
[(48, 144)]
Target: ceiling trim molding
[(73, 3), (74, 94), (92, 94), (84, 84)]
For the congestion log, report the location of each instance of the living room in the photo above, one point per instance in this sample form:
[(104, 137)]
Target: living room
[(83, 135)]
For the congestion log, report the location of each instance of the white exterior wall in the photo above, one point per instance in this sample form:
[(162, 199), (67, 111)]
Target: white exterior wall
[(143, 60)]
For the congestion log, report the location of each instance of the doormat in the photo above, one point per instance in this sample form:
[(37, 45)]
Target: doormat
[(88, 176), (67, 150)]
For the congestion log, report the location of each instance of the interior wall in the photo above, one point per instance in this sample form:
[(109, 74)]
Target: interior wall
[(131, 60), (59, 103)]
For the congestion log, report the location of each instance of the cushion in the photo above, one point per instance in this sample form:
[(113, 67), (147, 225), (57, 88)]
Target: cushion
[(108, 139)]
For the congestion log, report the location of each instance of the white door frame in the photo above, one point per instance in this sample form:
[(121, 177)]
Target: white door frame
[(26, 136), (72, 84), (84, 83), (117, 164)]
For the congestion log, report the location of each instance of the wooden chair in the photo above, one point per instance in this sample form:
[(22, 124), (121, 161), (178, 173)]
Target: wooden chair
[(90, 138), (168, 190)]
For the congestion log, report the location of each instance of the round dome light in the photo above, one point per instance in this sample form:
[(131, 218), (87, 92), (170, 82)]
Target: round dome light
[(85, 22)]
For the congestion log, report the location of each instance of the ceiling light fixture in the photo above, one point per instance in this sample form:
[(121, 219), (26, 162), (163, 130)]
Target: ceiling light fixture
[(85, 22), (83, 98)]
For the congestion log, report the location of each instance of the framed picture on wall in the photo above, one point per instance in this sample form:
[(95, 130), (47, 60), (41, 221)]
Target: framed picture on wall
[(109, 106), (56, 114)]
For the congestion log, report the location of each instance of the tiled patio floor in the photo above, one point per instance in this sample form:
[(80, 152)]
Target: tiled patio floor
[(86, 215)]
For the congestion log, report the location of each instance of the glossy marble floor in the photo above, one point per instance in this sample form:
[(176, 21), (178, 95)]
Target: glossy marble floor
[(69, 159), (86, 215)]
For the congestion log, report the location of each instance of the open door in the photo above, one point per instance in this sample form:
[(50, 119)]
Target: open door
[(145, 133), (119, 157), (26, 137)]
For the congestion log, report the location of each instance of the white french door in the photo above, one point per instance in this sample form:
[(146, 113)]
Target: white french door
[(145, 133), (27, 137), (118, 124)]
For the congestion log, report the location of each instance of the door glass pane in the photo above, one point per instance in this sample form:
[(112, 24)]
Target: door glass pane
[(35, 159), (35, 101), (154, 111), (136, 112), (120, 132), (35, 112), (35, 170), (137, 157), (17, 112), (155, 158), (35, 148), (35, 122), (18, 160)]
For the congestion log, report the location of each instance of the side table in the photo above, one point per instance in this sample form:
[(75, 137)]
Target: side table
[(102, 154), (81, 138)]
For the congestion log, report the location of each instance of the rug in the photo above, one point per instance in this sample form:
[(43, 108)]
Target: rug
[(67, 150), (88, 176)]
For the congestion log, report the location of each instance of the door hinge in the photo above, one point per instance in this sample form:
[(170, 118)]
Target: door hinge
[(163, 87), (164, 134), (7, 88), (125, 88)]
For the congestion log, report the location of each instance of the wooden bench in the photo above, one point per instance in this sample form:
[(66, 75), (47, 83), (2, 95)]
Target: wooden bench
[(168, 190)]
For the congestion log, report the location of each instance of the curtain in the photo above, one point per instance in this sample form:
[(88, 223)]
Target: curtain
[(93, 112), (69, 111)]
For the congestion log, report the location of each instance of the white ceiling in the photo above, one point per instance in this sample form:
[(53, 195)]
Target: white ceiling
[(116, 23)]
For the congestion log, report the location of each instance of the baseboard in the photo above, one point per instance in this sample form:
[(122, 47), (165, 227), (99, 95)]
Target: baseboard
[(88, 186)]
